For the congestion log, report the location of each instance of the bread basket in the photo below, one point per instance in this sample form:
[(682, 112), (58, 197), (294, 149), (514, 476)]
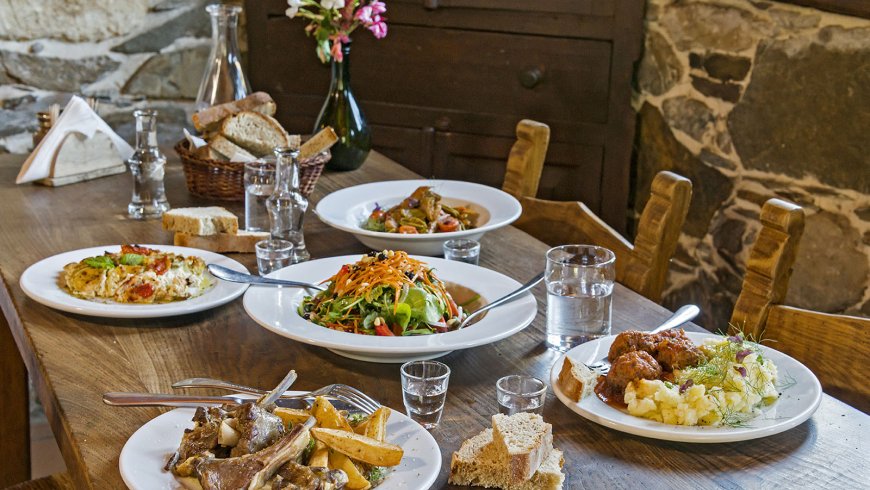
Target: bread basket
[(224, 180)]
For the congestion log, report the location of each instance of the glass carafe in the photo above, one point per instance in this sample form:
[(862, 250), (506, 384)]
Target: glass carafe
[(223, 80), (147, 166), (287, 205)]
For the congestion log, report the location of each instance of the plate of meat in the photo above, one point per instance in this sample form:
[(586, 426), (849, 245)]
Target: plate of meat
[(688, 387)]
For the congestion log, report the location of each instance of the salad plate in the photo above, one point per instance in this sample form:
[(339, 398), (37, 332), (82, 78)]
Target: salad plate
[(801, 394), (145, 453), (41, 282), (276, 309), (347, 210)]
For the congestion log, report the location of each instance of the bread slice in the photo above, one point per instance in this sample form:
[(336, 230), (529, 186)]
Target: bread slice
[(243, 242), (576, 380), (230, 150), (479, 463), (201, 221), (525, 440), (210, 118), (321, 141), (255, 132)]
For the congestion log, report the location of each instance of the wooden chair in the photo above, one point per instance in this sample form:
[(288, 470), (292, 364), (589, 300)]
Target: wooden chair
[(835, 347), (642, 266)]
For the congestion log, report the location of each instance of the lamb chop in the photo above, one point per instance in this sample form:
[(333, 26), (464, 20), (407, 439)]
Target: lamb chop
[(257, 428), (201, 439), (293, 476), (251, 471)]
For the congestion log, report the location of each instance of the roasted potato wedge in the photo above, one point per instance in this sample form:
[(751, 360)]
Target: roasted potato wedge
[(358, 447), (376, 426), (320, 455), (291, 416), (361, 427), (327, 416), (355, 479)]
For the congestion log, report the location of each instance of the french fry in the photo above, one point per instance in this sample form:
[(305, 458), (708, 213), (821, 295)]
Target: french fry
[(355, 479), (291, 416), (360, 448), (327, 416), (376, 428), (320, 455), (361, 427)]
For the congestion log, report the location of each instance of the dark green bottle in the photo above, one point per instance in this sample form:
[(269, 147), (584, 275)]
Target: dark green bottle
[(345, 116)]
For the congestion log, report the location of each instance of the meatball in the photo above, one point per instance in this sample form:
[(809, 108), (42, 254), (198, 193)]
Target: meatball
[(674, 333), (630, 341), (677, 353), (631, 366)]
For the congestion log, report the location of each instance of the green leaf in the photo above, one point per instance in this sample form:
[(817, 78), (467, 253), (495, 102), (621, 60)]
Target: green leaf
[(402, 315), (424, 306), (100, 262), (132, 259)]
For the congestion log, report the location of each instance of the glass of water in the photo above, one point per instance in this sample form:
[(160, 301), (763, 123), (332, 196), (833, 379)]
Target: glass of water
[(579, 282), (424, 389), (463, 250), (273, 254), (259, 184), (519, 393)]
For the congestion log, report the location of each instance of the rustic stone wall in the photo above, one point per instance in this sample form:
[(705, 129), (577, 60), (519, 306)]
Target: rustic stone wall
[(753, 100), (128, 53)]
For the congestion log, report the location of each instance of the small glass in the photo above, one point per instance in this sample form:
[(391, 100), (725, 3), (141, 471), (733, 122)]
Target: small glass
[(273, 254), (462, 250), (579, 282), (424, 390), (519, 393), (259, 185), (147, 164)]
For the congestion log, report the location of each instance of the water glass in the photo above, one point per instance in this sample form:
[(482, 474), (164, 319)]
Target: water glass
[(579, 282), (462, 250), (519, 393), (424, 389), (259, 184), (273, 254)]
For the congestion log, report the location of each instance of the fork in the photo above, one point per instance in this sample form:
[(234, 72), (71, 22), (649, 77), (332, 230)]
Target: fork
[(341, 392)]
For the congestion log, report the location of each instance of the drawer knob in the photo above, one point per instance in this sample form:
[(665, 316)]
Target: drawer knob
[(430, 4), (532, 77)]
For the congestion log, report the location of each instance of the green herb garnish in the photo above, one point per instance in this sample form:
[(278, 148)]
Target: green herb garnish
[(100, 262), (376, 474), (132, 259)]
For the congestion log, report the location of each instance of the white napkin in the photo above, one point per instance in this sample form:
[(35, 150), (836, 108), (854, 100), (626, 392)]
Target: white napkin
[(195, 141), (76, 116)]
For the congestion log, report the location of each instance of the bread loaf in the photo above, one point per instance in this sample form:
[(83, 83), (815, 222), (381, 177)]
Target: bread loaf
[(229, 150), (255, 132), (201, 221), (243, 242), (210, 118), (525, 440), (576, 380)]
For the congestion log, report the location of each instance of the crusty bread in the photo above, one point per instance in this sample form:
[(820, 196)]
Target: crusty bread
[(576, 380), (479, 463), (321, 141), (230, 150), (255, 132), (211, 117), (201, 221), (243, 242), (525, 439)]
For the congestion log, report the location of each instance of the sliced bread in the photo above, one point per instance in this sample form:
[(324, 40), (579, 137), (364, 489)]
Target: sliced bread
[(255, 132), (478, 463), (211, 117), (525, 440), (320, 142), (230, 150), (201, 221), (576, 380), (243, 242)]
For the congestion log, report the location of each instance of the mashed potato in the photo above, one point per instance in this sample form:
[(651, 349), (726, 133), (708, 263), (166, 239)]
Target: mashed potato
[(728, 388)]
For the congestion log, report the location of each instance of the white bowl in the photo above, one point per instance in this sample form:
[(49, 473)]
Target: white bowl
[(348, 208)]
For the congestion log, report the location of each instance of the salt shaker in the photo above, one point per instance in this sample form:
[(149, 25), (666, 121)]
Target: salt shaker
[(287, 205), (147, 166)]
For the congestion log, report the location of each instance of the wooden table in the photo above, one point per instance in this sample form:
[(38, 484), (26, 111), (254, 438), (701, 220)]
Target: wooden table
[(74, 359)]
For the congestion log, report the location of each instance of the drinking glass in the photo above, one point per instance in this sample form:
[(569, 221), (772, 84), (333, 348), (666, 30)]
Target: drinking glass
[(424, 389), (520, 393), (579, 282), (259, 184), (273, 254), (462, 250)]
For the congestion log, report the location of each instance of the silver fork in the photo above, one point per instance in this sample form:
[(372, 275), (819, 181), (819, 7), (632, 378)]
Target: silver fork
[(341, 392)]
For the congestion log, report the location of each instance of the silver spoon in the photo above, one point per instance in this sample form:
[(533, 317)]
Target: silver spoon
[(230, 275), (504, 299)]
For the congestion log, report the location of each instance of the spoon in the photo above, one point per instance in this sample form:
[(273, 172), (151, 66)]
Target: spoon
[(230, 275), (504, 299)]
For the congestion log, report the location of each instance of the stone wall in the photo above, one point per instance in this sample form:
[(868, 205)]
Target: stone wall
[(753, 100), (128, 53)]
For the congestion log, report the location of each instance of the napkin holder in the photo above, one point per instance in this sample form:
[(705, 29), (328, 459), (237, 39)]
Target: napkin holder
[(79, 158)]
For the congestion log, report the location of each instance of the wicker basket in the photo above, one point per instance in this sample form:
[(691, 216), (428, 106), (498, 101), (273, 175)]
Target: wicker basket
[(224, 181)]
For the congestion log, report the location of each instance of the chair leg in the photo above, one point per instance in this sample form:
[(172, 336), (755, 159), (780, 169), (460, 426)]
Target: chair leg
[(14, 412)]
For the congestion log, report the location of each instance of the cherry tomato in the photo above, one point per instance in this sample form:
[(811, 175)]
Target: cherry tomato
[(407, 229), (144, 290), (448, 223), (383, 331)]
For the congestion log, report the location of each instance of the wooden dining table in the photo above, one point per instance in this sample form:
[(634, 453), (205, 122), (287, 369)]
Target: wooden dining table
[(72, 359)]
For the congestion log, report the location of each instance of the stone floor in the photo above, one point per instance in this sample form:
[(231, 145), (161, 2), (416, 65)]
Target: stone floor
[(45, 458)]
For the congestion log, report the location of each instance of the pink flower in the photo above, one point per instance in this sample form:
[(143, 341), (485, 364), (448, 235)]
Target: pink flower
[(378, 27), (378, 7), (364, 15), (335, 51)]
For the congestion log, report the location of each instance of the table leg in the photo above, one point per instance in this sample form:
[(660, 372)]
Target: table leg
[(14, 412)]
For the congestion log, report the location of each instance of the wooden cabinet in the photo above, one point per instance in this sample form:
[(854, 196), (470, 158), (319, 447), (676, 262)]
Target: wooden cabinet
[(444, 90)]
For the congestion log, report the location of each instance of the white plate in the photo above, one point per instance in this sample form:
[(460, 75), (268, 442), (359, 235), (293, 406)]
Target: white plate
[(348, 208), (797, 403), (40, 283), (276, 310), (147, 450)]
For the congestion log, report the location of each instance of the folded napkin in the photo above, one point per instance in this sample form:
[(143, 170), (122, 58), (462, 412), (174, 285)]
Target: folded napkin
[(77, 117)]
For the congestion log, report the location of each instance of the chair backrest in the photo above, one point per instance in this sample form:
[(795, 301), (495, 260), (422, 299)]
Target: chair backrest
[(835, 347), (642, 266)]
